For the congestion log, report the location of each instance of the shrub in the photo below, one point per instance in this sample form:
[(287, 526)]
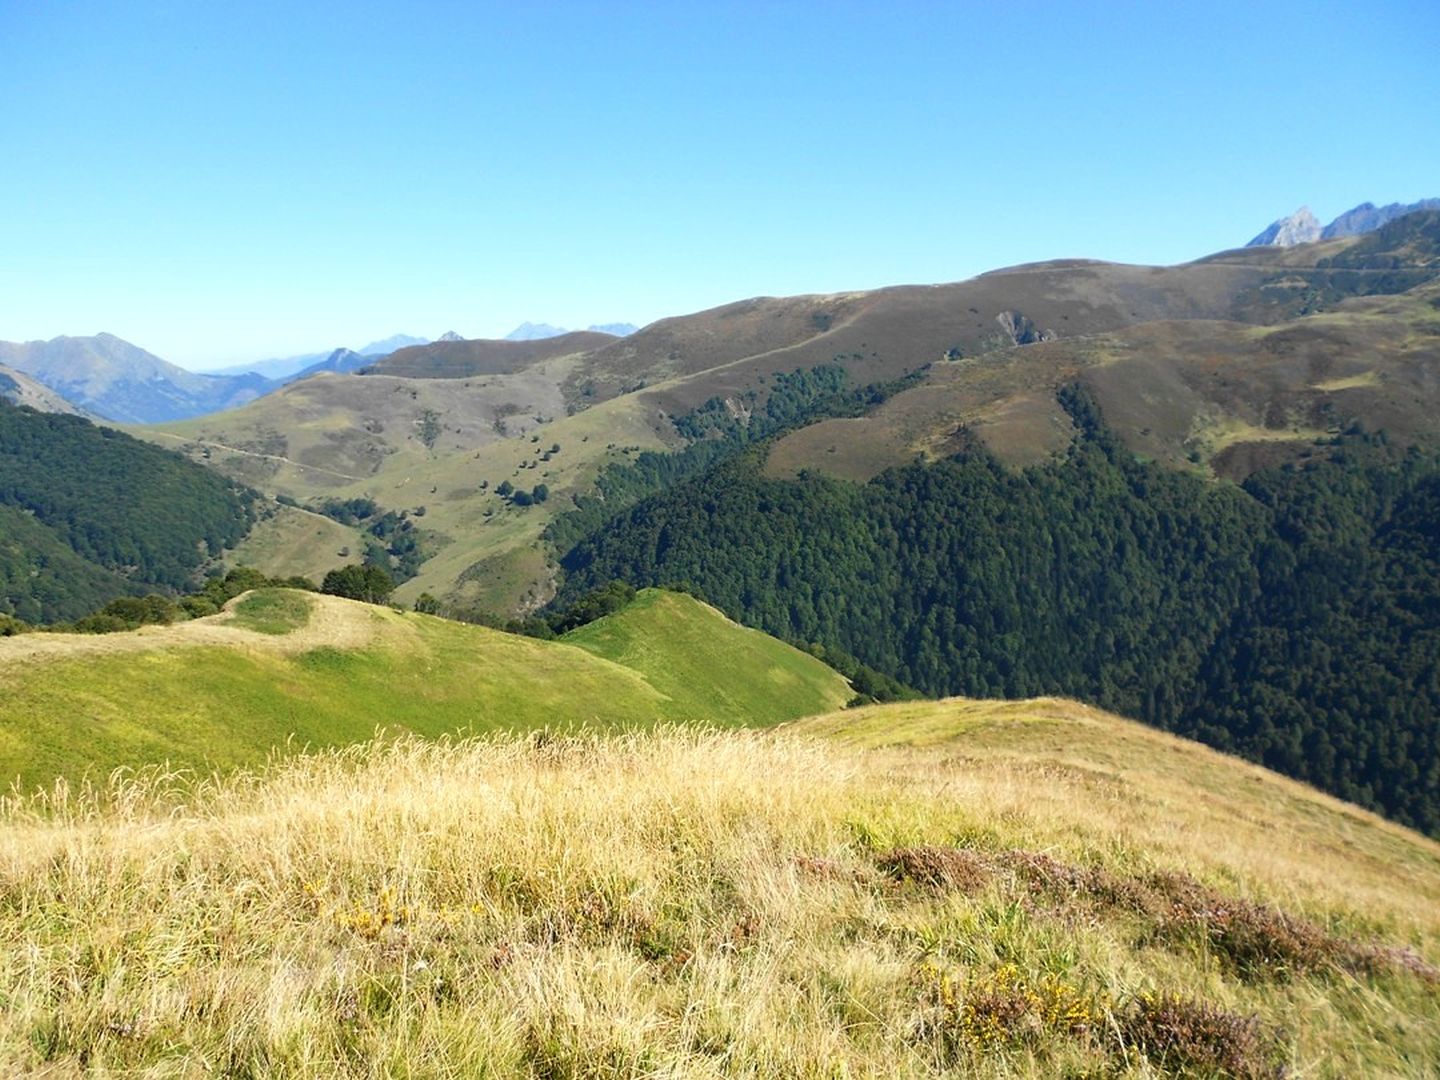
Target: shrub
[(368, 583), (1186, 1036)]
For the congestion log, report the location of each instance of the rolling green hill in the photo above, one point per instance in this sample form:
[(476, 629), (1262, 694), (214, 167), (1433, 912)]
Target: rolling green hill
[(956, 888), (706, 665), (284, 670)]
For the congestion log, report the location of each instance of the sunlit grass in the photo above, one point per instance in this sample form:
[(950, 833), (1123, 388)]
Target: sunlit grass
[(702, 904)]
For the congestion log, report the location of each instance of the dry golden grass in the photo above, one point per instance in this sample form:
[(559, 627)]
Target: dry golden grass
[(683, 903)]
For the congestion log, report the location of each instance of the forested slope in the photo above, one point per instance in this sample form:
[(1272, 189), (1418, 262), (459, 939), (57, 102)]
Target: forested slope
[(1294, 620), (92, 513)]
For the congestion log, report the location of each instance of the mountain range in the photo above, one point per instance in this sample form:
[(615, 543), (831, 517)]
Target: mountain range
[(286, 368), (1302, 227)]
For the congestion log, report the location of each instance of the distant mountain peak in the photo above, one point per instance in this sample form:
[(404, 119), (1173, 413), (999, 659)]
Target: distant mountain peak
[(385, 346), (1367, 217), (529, 331), (450, 335), (109, 377), (1302, 227)]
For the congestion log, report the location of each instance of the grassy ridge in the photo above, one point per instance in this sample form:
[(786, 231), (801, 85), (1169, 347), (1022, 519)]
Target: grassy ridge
[(194, 697), (672, 640), (948, 888)]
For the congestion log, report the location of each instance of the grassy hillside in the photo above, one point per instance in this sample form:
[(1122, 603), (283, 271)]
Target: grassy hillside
[(229, 689), (705, 664), (1216, 397), (483, 356), (955, 888), (346, 436)]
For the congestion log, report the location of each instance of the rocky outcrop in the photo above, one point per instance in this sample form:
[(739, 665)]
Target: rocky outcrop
[(1021, 330)]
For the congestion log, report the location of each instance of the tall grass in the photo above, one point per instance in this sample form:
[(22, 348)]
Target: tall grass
[(667, 903)]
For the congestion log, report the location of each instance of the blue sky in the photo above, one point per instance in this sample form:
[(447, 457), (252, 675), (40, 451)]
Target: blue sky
[(226, 182)]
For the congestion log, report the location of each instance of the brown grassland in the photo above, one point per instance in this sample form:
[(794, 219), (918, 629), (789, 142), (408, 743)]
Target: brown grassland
[(964, 888)]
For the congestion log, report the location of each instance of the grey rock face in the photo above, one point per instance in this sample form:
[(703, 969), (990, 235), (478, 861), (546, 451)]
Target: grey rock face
[(1301, 227)]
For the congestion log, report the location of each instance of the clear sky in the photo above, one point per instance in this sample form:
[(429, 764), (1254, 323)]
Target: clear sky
[(224, 182)]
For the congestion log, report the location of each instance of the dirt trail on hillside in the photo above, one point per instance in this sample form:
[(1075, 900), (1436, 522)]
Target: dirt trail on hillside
[(340, 624)]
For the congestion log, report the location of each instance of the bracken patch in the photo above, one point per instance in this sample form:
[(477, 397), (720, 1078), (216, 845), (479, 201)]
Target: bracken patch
[(937, 867)]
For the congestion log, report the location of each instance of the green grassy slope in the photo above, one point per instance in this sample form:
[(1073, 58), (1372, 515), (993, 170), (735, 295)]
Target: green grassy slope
[(707, 666), (225, 691)]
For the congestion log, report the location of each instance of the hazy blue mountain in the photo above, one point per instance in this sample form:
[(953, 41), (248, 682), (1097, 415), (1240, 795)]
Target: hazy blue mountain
[(282, 367), (1367, 217), (619, 329), (116, 380), (529, 331), (386, 346), (341, 361), (288, 368), (450, 335), (20, 389)]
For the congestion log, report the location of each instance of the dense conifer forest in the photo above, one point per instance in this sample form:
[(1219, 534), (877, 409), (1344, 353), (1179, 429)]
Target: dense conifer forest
[(1294, 620), (88, 513)]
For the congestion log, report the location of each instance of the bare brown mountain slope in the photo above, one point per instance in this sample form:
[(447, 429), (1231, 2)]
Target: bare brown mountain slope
[(1190, 393)]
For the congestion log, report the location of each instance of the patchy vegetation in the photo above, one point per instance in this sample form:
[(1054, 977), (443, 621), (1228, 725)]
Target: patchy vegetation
[(272, 611)]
